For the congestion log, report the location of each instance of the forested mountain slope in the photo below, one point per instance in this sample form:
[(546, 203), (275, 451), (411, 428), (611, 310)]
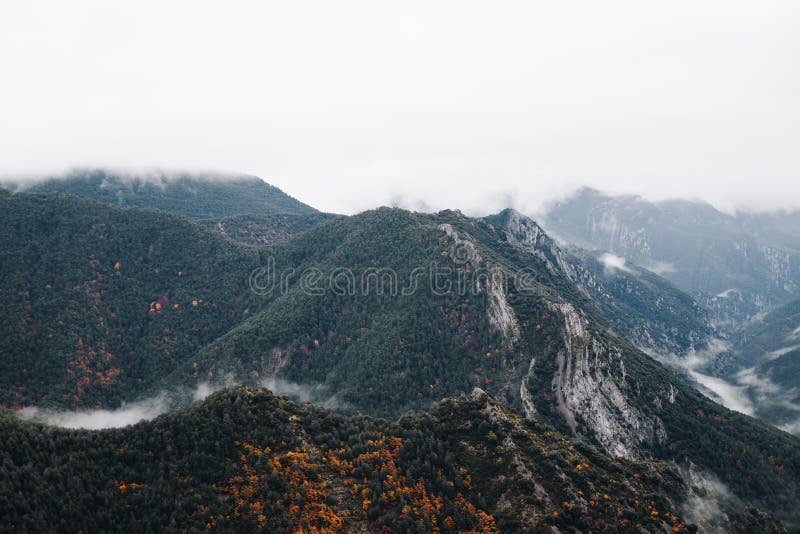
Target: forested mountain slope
[(202, 196), (99, 302), (247, 460), (537, 342), (381, 313), (263, 230), (244, 208)]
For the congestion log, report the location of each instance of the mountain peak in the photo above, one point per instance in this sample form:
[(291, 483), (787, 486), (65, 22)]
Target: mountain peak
[(197, 195)]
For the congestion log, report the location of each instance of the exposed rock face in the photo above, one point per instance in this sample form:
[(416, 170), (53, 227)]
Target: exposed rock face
[(524, 233), (500, 313), (528, 408), (590, 384), (612, 287), (621, 237), (277, 359), (590, 388)]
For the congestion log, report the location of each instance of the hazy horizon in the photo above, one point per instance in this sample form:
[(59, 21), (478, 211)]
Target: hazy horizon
[(427, 106), (21, 181)]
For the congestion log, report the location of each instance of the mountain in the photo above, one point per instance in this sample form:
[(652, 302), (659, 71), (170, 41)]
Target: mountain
[(737, 265), (242, 207), (641, 306), (100, 302), (245, 460), (380, 313), (197, 196), (262, 230)]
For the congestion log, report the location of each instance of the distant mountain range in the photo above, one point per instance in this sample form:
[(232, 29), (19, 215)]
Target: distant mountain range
[(736, 265), (382, 313)]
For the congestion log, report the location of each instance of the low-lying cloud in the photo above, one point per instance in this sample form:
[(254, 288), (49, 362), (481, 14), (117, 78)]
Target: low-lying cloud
[(792, 428), (748, 391), (125, 415), (317, 394), (775, 354), (613, 263), (795, 334), (732, 396), (130, 177), (708, 497), (166, 401), (660, 267)]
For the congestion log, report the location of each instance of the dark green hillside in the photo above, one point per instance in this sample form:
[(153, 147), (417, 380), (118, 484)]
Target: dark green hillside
[(98, 303), (246, 460), (196, 196), (383, 355), (349, 344), (244, 208), (262, 230)]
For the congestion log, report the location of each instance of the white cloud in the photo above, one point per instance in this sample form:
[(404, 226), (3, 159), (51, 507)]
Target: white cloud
[(351, 104), (795, 333), (747, 392), (707, 496), (613, 263), (294, 390), (749, 377), (660, 267), (127, 414), (775, 354), (766, 394), (729, 395), (203, 390), (316, 393), (792, 428)]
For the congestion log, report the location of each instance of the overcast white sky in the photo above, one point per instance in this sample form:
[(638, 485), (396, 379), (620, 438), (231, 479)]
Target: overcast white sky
[(474, 105)]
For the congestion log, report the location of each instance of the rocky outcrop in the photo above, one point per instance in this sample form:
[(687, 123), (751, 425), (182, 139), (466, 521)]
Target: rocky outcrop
[(500, 313), (623, 292), (590, 386)]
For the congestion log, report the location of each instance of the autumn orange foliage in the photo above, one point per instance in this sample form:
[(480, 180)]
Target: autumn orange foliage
[(382, 457), (310, 514)]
